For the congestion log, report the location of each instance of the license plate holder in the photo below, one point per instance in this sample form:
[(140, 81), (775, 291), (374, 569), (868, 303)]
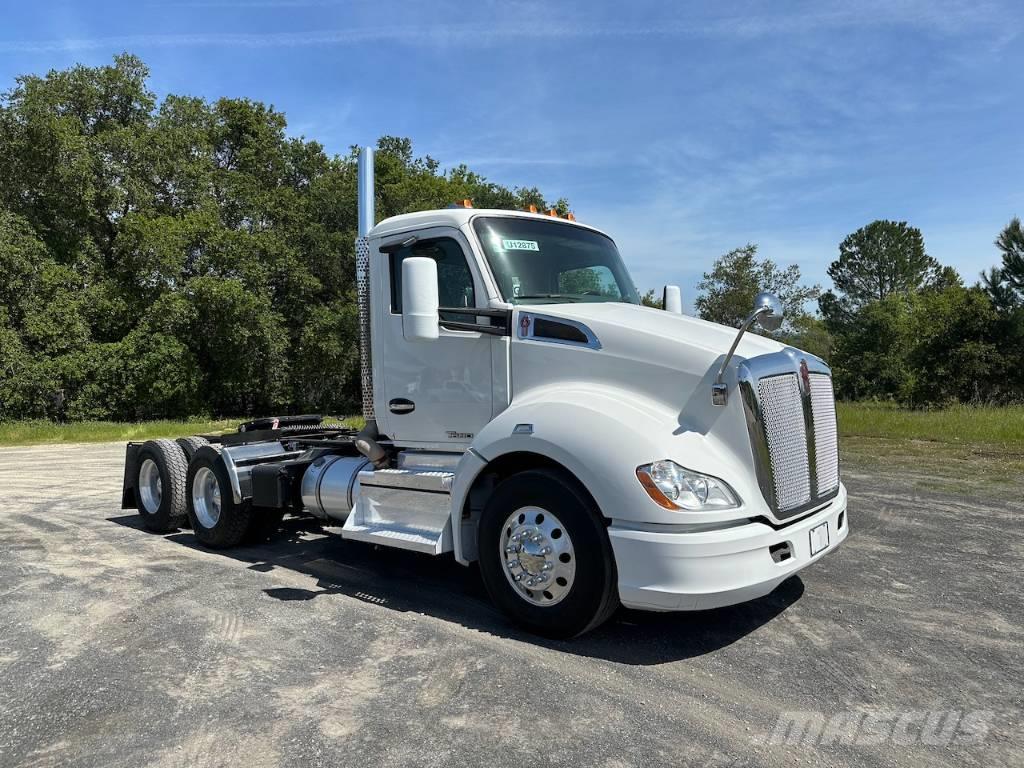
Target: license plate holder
[(819, 538)]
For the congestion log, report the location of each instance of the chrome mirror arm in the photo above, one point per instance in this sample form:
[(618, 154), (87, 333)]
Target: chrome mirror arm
[(719, 390)]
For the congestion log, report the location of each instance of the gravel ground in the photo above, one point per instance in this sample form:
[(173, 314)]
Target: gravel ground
[(123, 648)]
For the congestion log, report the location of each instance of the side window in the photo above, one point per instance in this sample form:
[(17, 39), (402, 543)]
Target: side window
[(589, 281), (454, 280)]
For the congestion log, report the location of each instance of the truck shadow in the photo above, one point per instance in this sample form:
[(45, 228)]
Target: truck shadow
[(439, 587)]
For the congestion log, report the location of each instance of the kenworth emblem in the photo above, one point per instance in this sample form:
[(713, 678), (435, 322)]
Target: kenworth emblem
[(805, 376), (524, 325)]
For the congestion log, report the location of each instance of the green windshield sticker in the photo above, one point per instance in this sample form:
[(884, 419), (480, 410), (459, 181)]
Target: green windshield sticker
[(519, 245)]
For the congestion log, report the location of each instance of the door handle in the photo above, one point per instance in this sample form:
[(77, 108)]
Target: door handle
[(400, 405)]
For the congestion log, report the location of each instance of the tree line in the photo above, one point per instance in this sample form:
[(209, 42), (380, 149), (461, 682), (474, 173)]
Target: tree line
[(184, 257), (896, 325)]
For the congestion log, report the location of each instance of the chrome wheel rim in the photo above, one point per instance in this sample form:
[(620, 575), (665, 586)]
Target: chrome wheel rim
[(206, 497), (151, 487), (537, 556)]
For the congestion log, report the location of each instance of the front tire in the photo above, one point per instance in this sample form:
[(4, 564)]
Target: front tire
[(160, 485), (217, 521), (544, 555)]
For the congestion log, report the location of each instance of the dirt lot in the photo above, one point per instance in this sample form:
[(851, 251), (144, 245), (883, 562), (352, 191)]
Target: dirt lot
[(123, 648)]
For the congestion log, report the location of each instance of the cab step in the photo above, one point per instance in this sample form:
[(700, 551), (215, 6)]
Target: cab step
[(403, 508), (394, 536)]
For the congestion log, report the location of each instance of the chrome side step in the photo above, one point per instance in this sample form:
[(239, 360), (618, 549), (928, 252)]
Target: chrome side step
[(428, 542), (403, 508)]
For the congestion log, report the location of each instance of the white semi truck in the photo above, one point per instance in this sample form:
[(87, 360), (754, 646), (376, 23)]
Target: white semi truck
[(525, 412)]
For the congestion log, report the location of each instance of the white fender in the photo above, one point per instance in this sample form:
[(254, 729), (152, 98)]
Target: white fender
[(601, 435)]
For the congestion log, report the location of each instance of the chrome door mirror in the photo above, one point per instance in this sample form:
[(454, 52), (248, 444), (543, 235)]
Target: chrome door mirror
[(419, 299), (672, 299)]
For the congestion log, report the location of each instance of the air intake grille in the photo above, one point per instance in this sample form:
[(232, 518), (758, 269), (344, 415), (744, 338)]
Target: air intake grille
[(786, 434), (363, 302), (826, 445)]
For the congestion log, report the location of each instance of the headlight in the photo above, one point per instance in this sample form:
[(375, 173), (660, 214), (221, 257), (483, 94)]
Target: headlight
[(674, 487)]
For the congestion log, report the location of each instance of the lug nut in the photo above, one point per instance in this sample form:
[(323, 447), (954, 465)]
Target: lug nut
[(548, 566), (536, 538), (514, 564), (546, 550), (518, 577)]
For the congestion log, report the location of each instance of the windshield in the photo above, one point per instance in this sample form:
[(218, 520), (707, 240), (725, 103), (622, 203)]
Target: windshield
[(551, 262)]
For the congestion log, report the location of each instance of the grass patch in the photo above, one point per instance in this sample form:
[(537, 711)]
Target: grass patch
[(40, 432), (958, 425), (963, 449)]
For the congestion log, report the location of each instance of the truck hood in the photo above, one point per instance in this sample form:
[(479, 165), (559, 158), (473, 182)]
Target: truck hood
[(645, 350), (631, 323), (646, 373)]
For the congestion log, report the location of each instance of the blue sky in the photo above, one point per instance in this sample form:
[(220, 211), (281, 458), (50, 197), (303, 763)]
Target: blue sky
[(682, 129)]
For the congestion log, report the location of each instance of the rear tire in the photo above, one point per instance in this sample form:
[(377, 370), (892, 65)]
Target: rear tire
[(191, 444), (545, 557), (160, 485), (217, 521)]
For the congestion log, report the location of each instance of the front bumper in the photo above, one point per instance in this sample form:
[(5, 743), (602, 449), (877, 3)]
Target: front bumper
[(670, 571)]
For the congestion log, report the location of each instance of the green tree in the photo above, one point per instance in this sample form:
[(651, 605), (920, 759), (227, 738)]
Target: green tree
[(1003, 295), (871, 356), (930, 347), (728, 289), (184, 256), (1005, 283), (1011, 243), (879, 260)]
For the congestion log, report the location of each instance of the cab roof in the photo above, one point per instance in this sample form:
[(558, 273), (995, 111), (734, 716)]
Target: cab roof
[(457, 217)]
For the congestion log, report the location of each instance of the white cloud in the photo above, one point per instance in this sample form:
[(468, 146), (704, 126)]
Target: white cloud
[(951, 17)]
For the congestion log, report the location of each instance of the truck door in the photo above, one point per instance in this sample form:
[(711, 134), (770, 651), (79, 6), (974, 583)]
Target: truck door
[(432, 392)]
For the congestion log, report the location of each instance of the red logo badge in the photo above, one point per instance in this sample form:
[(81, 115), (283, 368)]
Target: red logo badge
[(524, 326), (805, 376)]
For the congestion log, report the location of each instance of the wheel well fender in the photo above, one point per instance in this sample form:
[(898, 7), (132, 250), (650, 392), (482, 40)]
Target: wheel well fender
[(470, 496)]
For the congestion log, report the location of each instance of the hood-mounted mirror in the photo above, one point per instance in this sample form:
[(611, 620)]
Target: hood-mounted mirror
[(769, 314)]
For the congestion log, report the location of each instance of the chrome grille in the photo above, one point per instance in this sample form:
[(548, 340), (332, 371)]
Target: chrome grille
[(783, 415), (791, 418), (826, 444)]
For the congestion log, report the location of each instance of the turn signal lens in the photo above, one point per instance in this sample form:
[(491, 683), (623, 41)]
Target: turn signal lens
[(674, 487)]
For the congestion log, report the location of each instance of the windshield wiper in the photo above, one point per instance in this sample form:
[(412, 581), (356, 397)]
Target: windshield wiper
[(546, 296)]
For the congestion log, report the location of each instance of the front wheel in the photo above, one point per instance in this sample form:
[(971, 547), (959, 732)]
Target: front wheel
[(544, 555), (217, 520)]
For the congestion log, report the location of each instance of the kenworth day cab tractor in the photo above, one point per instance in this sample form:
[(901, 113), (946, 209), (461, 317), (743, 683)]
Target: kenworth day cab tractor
[(525, 412)]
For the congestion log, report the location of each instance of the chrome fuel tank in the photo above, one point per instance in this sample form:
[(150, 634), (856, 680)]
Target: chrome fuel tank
[(331, 485)]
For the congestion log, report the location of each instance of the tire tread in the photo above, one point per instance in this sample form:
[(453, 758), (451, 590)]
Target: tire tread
[(170, 459), (565, 619), (235, 519)]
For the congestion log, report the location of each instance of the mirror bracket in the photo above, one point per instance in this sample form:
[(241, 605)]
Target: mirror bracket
[(768, 314)]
